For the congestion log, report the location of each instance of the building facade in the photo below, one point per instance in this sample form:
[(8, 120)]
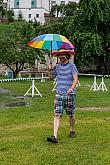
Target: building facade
[(32, 10)]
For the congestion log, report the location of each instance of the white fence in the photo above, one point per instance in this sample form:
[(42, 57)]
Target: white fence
[(32, 88), (94, 87)]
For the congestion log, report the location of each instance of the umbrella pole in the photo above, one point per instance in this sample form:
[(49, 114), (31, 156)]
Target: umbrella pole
[(57, 60), (50, 62), (50, 48)]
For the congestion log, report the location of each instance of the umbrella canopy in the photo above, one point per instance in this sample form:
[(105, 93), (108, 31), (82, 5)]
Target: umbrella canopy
[(51, 42)]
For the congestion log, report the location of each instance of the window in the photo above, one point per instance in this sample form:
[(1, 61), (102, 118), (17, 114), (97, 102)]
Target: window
[(33, 4), (16, 3), (63, 2), (37, 15), (29, 15)]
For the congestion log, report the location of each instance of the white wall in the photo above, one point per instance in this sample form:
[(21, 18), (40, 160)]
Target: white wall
[(33, 12), (27, 4)]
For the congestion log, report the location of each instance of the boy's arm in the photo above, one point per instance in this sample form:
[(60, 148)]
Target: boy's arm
[(50, 71), (75, 81)]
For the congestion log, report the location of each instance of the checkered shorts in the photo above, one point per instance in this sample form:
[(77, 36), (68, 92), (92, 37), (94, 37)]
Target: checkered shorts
[(66, 102)]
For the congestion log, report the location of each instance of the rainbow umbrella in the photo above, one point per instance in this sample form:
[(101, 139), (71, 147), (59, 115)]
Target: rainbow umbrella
[(51, 42)]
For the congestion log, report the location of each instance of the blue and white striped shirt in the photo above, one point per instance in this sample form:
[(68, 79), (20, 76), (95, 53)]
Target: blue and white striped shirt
[(64, 74)]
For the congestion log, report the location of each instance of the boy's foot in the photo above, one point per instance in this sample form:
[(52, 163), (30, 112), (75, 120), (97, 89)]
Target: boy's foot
[(52, 139), (72, 134)]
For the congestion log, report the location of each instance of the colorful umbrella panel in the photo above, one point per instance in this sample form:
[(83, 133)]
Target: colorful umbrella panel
[(51, 42)]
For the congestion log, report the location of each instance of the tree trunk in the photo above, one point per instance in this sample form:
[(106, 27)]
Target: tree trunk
[(19, 67)]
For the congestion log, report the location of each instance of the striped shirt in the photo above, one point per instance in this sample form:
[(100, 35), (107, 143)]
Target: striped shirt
[(64, 74)]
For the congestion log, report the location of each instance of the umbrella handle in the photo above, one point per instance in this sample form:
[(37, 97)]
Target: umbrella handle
[(50, 64)]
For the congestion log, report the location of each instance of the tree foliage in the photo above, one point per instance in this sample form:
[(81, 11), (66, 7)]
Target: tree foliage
[(87, 25), (14, 51)]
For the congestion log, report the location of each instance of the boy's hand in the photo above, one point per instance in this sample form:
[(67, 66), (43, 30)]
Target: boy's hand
[(50, 67), (70, 90)]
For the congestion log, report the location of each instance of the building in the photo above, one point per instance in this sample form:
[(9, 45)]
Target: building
[(32, 10)]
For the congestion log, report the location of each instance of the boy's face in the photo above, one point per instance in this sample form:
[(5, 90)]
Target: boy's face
[(63, 58)]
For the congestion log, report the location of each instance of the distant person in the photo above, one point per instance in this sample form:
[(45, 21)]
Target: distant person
[(67, 78)]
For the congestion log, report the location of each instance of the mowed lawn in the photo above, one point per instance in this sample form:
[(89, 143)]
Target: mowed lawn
[(24, 129)]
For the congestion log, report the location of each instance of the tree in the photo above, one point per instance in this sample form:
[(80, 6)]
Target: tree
[(70, 9), (14, 51), (96, 19), (10, 16)]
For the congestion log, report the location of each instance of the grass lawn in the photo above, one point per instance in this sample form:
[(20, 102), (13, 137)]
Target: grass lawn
[(24, 130)]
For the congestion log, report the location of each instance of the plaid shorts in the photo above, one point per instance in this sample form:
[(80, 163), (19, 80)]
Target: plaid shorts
[(63, 101)]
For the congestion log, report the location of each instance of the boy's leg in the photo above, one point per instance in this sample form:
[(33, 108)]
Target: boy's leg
[(58, 110), (56, 125), (72, 123), (70, 111), (72, 127)]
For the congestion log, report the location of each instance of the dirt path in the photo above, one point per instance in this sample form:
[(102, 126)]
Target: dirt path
[(102, 109), (2, 90)]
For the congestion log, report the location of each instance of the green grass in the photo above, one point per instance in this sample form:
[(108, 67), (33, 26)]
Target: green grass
[(23, 130)]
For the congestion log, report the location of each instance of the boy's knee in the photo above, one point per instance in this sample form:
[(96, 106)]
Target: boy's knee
[(57, 115)]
